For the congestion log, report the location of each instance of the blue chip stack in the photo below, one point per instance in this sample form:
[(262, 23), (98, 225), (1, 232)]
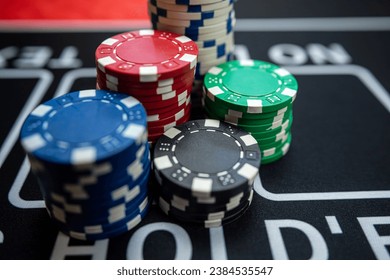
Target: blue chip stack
[(209, 23), (90, 154)]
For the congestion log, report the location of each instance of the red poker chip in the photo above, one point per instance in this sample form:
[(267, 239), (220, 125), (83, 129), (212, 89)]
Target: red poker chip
[(154, 131), (147, 55), (154, 105), (136, 83), (152, 92), (155, 97), (162, 113), (173, 118)]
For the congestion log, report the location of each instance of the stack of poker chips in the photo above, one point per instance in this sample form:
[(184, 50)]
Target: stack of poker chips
[(209, 23), (257, 96), (90, 154), (155, 67), (205, 170)]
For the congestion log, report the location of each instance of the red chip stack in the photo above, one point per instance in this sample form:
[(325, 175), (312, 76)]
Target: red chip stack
[(157, 68)]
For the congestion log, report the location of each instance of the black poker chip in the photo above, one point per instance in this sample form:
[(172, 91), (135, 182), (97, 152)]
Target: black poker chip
[(204, 167)]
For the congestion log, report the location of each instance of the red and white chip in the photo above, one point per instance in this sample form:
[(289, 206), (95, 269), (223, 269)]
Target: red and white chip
[(147, 55)]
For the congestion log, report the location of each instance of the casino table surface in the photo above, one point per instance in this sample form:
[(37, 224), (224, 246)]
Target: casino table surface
[(327, 198)]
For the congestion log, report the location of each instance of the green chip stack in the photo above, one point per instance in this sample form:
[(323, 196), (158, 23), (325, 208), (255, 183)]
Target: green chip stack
[(256, 96)]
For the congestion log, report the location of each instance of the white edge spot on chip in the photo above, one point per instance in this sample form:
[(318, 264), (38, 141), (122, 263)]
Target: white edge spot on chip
[(285, 148), (83, 155), (146, 32), (249, 140), (177, 205), (215, 70), (282, 111), (211, 224), (111, 79), (129, 102), (41, 110), (132, 223), (247, 62), (133, 193), (143, 204), (153, 118), (163, 205), (183, 39), (104, 61), (165, 83), (77, 235), (93, 229), (216, 215), (109, 41), (148, 70), (135, 169), (289, 92), (269, 152), (234, 113), (212, 123), (255, 106), (172, 132), (33, 142), (206, 200), (119, 192), (192, 59), (162, 162), (133, 131), (215, 90), (87, 93), (201, 186), (181, 200), (231, 119), (282, 72), (248, 171)]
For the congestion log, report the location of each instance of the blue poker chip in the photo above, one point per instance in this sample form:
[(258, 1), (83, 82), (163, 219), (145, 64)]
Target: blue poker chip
[(123, 195), (98, 232), (83, 127), (198, 8), (90, 153), (113, 215), (96, 181), (210, 23)]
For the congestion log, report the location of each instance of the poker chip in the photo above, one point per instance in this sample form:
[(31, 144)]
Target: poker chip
[(156, 67), (257, 96), (89, 151), (205, 171), (209, 24)]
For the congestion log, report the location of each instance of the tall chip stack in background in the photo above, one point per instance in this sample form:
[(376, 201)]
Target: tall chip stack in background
[(205, 170), (209, 23), (157, 68), (258, 97), (90, 154)]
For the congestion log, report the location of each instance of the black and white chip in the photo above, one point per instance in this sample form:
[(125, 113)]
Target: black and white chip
[(204, 166)]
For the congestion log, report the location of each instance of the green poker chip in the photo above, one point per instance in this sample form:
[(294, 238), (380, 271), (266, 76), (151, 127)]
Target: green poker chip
[(269, 157), (286, 126), (256, 125), (223, 111), (256, 96), (276, 148), (259, 128), (250, 86), (277, 143)]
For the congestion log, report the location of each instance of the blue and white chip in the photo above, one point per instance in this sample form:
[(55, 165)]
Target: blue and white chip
[(210, 23), (89, 151)]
